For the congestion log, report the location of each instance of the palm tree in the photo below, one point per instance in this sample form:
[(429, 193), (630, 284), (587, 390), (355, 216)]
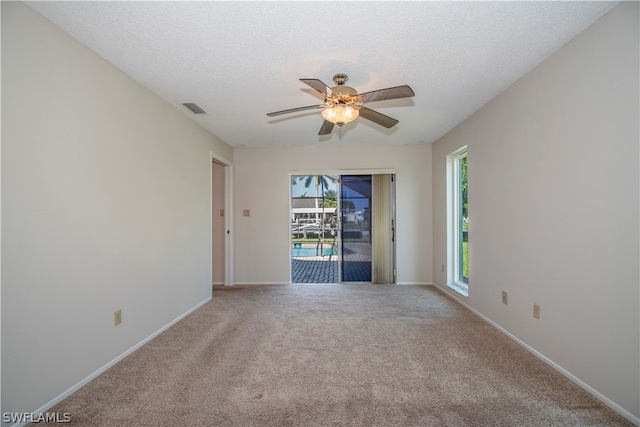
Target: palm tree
[(331, 194), (321, 181), (330, 199)]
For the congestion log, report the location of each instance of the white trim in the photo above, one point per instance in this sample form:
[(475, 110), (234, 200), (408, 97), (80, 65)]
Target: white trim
[(313, 210), (108, 365), (604, 399), (211, 160), (260, 283), (463, 291), (229, 268), (415, 283), (219, 159), (453, 219), (229, 261), (306, 172)]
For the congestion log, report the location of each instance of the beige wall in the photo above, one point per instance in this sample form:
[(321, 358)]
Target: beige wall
[(106, 204), (553, 206), (262, 185)]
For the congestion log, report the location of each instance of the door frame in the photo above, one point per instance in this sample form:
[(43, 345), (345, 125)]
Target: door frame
[(229, 276)]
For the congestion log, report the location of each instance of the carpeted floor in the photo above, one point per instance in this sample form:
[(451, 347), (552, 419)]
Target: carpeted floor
[(333, 355)]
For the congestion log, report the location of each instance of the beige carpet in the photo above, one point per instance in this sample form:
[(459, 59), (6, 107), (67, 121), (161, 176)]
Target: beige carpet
[(333, 355)]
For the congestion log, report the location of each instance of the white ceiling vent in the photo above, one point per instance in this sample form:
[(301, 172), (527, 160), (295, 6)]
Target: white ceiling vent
[(194, 108)]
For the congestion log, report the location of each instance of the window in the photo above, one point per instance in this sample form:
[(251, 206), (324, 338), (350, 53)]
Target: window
[(457, 222)]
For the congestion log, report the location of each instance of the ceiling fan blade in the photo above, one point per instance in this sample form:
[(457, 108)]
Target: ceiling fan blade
[(293, 110), (326, 128), (318, 85), (384, 94), (376, 117)]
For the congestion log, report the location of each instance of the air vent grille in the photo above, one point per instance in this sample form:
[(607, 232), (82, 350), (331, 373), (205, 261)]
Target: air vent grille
[(194, 108)]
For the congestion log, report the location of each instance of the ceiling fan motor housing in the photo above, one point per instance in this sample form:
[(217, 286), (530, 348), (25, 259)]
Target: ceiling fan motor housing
[(341, 89)]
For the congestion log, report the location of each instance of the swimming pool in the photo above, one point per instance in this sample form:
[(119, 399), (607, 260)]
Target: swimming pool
[(302, 252)]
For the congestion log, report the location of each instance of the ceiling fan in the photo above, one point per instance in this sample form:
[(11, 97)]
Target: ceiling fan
[(342, 104)]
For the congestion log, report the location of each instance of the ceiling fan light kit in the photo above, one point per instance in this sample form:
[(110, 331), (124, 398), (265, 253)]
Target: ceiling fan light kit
[(340, 114), (342, 104)]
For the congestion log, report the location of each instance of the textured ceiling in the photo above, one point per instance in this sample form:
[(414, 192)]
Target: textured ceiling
[(239, 60)]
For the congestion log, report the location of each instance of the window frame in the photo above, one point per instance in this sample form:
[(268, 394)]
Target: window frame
[(455, 233)]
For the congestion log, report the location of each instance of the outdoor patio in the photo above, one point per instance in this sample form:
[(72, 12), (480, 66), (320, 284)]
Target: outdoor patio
[(314, 269), (324, 269)]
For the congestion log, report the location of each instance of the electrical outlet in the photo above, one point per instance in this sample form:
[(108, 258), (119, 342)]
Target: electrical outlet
[(536, 311), (505, 297), (443, 268), (117, 317)]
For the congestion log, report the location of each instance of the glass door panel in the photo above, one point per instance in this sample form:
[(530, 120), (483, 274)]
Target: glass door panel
[(355, 217), (314, 243)]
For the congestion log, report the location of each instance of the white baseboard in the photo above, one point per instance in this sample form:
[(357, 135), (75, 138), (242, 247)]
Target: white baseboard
[(260, 283), (101, 370), (287, 283), (415, 283), (604, 399)]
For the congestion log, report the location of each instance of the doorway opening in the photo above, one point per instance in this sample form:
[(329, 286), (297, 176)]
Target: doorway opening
[(221, 177)]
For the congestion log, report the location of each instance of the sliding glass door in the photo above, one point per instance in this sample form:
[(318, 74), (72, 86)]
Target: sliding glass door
[(346, 233)]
